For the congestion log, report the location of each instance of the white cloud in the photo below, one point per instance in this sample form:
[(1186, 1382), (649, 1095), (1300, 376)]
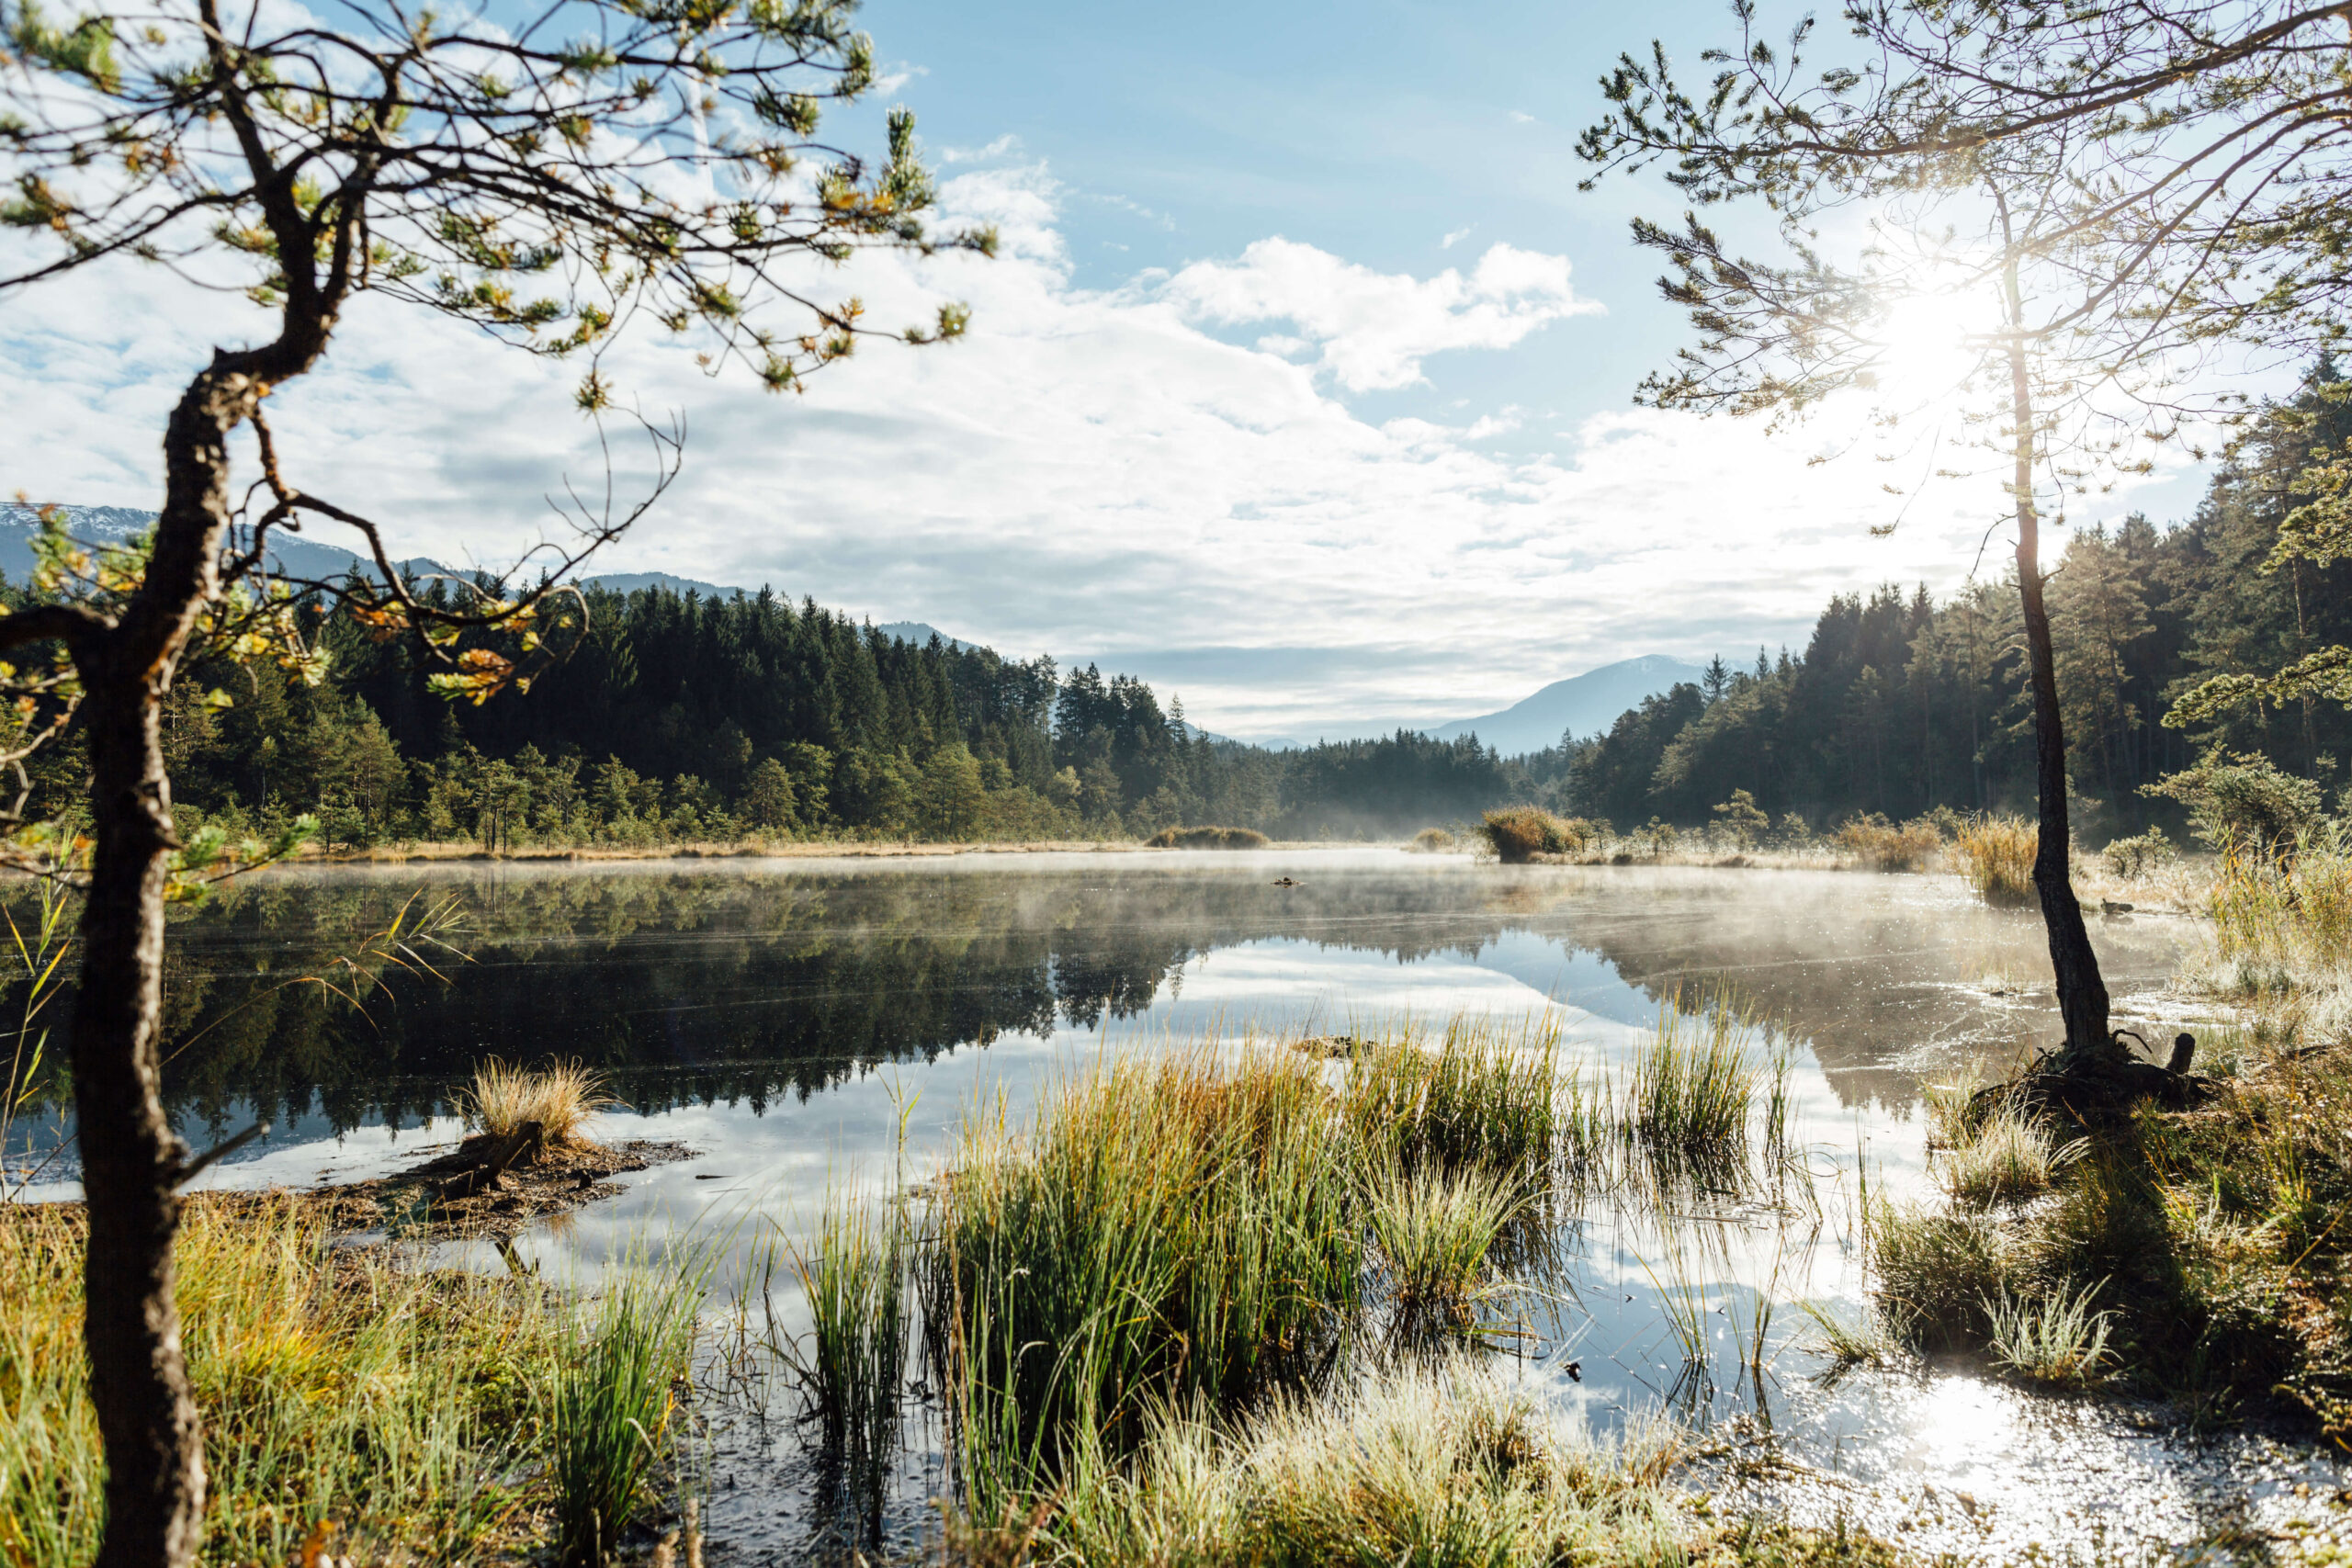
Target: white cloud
[(1090, 473), (1002, 146), (1454, 239), (1521, 117), (1377, 328)]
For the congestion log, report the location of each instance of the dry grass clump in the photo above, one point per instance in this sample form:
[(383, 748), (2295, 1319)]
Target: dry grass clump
[(1996, 855), (1433, 841), (1518, 834), (1886, 846), (334, 1386), (1208, 839), (561, 1097)]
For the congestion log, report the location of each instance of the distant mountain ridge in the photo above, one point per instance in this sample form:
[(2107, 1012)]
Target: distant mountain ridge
[(1583, 705)]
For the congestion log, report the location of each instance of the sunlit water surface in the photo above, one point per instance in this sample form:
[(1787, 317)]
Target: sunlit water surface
[(817, 1029)]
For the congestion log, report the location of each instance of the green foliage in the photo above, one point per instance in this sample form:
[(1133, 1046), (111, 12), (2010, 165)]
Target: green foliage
[(2242, 798)]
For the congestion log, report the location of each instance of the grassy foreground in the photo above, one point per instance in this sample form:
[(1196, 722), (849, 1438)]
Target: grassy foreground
[(1211, 1311), (2202, 1254)]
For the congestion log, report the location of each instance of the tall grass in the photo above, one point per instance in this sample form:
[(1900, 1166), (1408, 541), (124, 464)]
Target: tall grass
[(561, 1097), (334, 1386), (1436, 1232), (855, 1370), (1208, 839), (2056, 1339), (1166, 1231), (1996, 855), (2003, 1156), (613, 1401), (1887, 846), (1486, 1098), (1693, 1090)]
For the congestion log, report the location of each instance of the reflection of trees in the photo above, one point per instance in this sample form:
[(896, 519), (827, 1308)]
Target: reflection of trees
[(724, 984)]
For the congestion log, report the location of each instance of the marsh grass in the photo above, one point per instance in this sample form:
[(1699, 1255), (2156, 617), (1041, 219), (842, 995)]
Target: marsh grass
[(1167, 1229), (1484, 1098), (1517, 834), (1936, 1271), (334, 1385), (1996, 855), (853, 1276), (1437, 1232), (1887, 846), (2057, 1340), (563, 1098), (1865, 1341), (609, 1419), (1428, 1465), (1208, 839), (1693, 1091), (2001, 1155)]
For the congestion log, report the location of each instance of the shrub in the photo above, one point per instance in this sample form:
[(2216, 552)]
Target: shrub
[(1519, 833), (1883, 846), (1208, 839), (2242, 797), (2140, 854), (1996, 857), (1743, 820), (1433, 841)]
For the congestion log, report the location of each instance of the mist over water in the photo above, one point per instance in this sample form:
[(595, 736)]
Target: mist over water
[(818, 1030)]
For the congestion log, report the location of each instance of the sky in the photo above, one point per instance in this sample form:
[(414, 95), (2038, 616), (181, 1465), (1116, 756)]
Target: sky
[(1303, 386)]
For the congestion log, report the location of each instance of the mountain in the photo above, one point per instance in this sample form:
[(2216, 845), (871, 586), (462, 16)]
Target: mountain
[(1587, 704)]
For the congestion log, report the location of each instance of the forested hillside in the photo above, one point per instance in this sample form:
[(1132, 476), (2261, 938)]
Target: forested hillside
[(681, 718), (1900, 704)]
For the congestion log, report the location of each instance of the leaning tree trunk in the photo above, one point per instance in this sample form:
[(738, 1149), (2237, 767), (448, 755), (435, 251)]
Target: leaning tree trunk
[(2082, 994), (133, 1163)]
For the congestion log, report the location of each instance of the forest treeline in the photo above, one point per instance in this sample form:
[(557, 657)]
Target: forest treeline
[(1901, 703), (680, 717)]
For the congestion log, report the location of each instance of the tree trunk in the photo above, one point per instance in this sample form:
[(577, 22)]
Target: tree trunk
[(2082, 994), (132, 1162)]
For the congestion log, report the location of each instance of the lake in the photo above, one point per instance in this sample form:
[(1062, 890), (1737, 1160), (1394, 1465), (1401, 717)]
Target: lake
[(819, 1028)]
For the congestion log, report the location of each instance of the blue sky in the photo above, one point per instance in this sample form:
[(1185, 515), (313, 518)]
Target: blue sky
[(1303, 387)]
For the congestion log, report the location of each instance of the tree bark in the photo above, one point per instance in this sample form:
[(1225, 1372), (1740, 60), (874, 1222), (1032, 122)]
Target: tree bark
[(2082, 993), (132, 1162)]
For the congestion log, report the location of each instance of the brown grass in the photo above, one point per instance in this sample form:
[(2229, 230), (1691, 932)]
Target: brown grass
[(1996, 855), (1208, 839), (561, 1097), (1885, 846), (1519, 833)]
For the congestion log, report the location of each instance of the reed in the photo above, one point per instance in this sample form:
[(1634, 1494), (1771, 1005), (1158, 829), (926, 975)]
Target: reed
[(1440, 1466), (1486, 1098), (1693, 1090), (334, 1385), (853, 1278), (1995, 856), (613, 1401), (1435, 1233), (1886, 846), (1167, 1229), (561, 1097), (1517, 834)]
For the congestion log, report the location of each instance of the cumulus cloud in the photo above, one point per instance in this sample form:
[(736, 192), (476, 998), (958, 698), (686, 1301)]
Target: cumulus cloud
[(1375, 328), (1090, 473)]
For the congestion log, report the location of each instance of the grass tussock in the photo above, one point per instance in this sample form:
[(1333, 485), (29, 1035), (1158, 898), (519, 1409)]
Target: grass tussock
[(1518, 834), (563, 1098), (1436, 1234), (1438, 1466), (1693, 1087), (1434, 841), (2057, 1340), (1208, 839), (404, 1406), (1484, 1099), (609, 1420), (1995, 856), (2000, 1156), (1888, 846)]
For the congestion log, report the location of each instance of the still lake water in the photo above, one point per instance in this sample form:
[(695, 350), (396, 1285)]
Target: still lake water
[(786, 1017)]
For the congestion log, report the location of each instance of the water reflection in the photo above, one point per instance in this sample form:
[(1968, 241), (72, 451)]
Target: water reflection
[(781, 1018)]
